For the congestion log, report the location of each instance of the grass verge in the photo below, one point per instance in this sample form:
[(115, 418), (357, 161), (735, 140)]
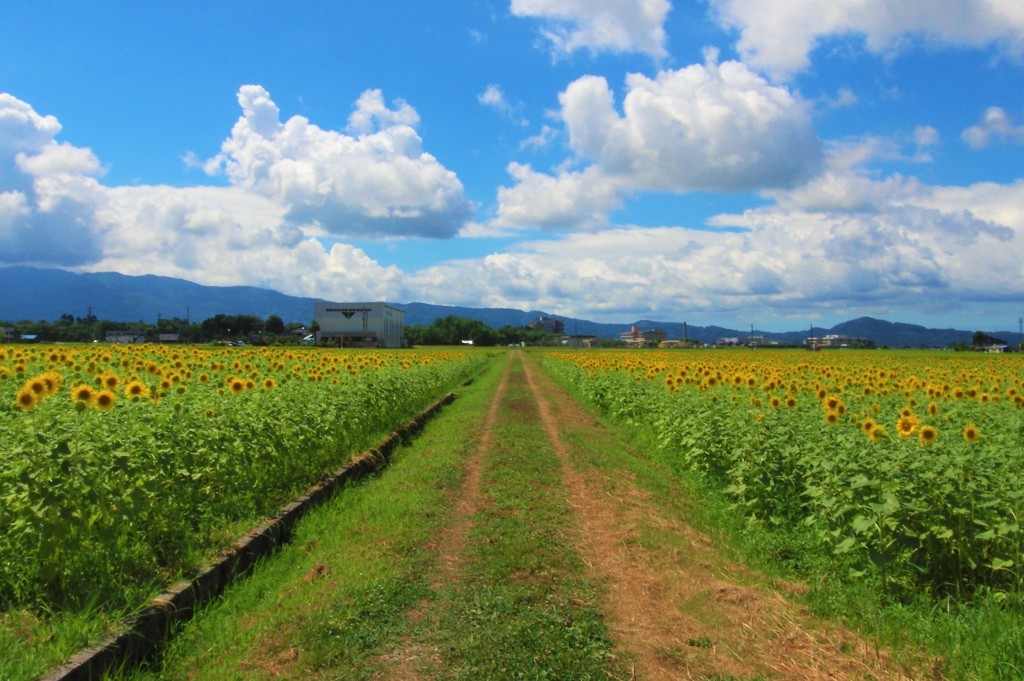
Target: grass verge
[(324, 605)]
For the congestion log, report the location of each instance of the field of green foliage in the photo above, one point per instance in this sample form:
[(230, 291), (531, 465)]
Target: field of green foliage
[(121, 466), (908, 468)]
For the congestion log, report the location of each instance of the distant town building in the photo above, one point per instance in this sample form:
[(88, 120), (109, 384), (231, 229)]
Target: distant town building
[(835, 341), (168, 338), (547, 325), (635, 338), (579, 341), (124, 337), (360, 325)]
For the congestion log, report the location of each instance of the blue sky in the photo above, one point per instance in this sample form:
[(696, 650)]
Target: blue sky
[(732, 162)]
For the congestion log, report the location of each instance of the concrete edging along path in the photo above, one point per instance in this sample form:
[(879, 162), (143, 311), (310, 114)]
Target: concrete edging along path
[(146, 631)]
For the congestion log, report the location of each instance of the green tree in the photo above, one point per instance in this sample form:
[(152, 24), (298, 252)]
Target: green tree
[(274, 325)]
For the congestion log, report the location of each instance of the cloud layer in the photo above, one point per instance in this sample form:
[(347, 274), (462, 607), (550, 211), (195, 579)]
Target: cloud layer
[(778, 37), (599, 25), (291, 182)]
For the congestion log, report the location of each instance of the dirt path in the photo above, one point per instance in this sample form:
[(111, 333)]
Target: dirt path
[(686, 614), (673, 605)]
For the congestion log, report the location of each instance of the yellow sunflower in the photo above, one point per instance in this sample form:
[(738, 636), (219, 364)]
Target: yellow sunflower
[(82, 393), (971, 433), (136, 389), (26, 399), (906, 426), (105, 400)]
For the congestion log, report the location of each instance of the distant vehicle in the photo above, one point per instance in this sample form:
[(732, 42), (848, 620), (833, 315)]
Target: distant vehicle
[(308, 340)]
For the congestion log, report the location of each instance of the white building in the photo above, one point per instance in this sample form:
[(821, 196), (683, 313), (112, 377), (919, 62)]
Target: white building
[(360, 325)]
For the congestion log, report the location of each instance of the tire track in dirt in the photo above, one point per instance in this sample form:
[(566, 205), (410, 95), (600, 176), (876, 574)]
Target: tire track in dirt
[(401, 663), (451, 542), (668, 609)]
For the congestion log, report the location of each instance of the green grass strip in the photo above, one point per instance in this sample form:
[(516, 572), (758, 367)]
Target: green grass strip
[(326, 604), (522, 608)]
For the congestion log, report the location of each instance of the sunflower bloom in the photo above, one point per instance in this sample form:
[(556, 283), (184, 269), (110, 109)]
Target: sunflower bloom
[(26, 399), (136, 390), (37, 385), (83, 393), (971, 433), (105, 400), (53, 381), (906, 426), (927, 435)]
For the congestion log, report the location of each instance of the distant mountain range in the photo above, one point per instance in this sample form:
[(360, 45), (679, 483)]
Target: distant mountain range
[(28, 293)]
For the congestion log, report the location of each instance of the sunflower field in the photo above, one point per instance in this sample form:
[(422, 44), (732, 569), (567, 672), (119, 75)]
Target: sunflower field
[(121, 466), (905, 466)]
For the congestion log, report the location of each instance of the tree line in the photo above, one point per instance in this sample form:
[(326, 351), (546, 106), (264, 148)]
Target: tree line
[(453, 330), (248, 328), (256, 331)]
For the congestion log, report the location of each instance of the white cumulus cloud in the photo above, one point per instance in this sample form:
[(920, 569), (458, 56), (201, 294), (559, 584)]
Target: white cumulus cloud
[(706, 127), (494, 97), (48, 191), (777, 36), (716, 127), (995, 126), (600, 25), (565, 201), (375, 182)]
